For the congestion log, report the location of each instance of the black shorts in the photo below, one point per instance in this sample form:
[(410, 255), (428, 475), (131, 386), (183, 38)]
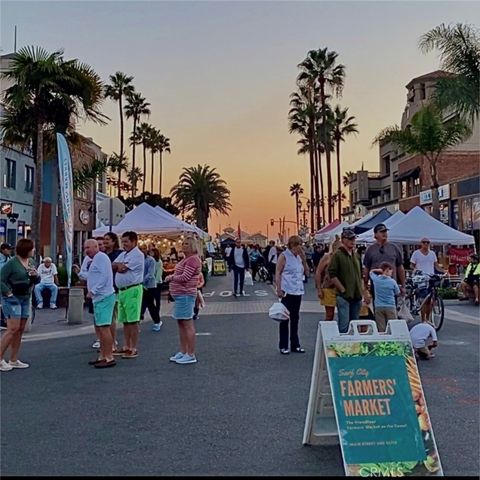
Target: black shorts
[(473, 280)]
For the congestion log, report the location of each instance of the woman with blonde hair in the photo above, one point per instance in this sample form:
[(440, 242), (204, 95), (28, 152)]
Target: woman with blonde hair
[(326, 290), (183, 289), (290, 272)]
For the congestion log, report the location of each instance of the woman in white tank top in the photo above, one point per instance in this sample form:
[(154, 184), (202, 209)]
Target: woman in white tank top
[(290, 273)]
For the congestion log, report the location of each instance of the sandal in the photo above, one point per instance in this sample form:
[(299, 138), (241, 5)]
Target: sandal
[(120, 351), (130, 354)]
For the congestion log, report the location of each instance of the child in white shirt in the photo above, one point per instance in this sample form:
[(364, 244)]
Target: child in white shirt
[(424, 340)]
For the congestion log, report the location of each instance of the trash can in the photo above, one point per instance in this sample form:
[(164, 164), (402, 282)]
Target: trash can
[(75, 306)]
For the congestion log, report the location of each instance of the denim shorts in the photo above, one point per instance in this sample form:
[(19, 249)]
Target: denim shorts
[(16, 308), (183, 307)]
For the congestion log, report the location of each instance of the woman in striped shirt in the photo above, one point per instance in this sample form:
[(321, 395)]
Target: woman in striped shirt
[(183, 289)]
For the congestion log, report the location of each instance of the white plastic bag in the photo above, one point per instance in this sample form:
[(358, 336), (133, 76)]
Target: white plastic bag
[(403, 312), (248, 279), (279, 312)]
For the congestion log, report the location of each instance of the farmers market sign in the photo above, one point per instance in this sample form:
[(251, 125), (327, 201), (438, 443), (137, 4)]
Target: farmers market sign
[(381, 413)]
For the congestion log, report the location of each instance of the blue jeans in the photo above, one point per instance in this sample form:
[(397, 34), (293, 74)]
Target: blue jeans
[(347, 310), (53, 292), (238, 277)]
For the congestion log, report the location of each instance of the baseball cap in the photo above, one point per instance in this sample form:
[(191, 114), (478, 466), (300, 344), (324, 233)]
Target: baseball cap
[(381, 227), (348, 233), (5, 246)]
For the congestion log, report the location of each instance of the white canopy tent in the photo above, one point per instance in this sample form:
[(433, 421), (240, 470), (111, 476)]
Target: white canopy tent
[(329, 235), (188, 227), (368, 236), (417, 224), (145, 219)]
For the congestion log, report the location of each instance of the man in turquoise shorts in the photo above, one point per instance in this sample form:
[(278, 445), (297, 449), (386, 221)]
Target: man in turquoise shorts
[(101, 291), (129, 267)]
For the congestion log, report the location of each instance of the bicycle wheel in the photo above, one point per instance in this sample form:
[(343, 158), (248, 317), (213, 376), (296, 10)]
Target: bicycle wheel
[(438, 313)]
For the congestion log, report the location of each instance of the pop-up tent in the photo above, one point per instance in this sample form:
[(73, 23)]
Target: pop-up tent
[(417, 223), (188, 227), (145, 219), (367, 223), (368, 236), (327, 233)]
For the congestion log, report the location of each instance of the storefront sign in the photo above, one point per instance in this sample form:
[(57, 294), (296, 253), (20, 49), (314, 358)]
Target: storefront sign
[(6, 208), (219, 267), (84, 216), (443, 194)]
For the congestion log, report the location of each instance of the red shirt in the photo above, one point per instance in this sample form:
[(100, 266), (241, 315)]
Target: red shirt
[(185, 278)]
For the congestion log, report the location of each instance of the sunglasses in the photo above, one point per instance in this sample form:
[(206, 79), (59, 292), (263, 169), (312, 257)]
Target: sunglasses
[(425, 241)]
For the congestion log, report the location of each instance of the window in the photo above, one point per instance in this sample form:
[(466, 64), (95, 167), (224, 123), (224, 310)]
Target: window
[(403, 190), (416, 186), (10, 177), (386, 163), (422, 91), (28, 179)]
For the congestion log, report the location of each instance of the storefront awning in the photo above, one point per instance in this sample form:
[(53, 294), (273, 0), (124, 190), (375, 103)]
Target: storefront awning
[(412, 173)]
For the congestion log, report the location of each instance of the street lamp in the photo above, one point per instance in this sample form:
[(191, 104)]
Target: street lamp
[(305, 210)]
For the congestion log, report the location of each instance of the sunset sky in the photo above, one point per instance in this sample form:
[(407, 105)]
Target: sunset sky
[(218, 76)]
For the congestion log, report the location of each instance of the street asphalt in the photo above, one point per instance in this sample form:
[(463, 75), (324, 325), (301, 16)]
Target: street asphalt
[(239, 411)]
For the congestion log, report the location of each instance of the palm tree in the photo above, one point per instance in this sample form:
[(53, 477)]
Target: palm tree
[(134, 175), (347, 178), (428, 136), (343, 126), (120, 86), (459, 47), (201, 190), (141, 136), (295, 191), (136, 107), (163, 146), (118, 164), (153, 143), (321, 67), (49, 94)]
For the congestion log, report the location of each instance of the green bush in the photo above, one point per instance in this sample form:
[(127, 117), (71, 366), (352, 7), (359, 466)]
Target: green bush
[(63, 278), (448, 293)]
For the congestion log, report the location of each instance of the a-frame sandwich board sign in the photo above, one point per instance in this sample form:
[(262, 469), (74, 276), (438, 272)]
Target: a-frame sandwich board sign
[(367, 384)]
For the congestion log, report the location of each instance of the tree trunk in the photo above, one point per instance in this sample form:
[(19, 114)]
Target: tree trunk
[(322, 190), (37, 193), (329, 185), (121, 125), (435, 200), (317, 188), (297, 212), (153, 170), (144, 166), (161, 173), (311, 147), (134, 150), (339, 184), (119, 182)]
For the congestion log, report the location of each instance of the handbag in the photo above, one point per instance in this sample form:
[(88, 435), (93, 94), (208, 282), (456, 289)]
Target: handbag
[(248, 279), (279, 312)]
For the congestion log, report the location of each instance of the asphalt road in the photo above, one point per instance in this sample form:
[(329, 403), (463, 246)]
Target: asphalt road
[(239, 411)]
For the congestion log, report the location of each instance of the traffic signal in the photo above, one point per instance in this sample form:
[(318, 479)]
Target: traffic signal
[(272, 222)]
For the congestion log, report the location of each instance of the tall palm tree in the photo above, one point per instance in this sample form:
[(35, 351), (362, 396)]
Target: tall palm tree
[(120, 86), (347, 177), (321, 67), (135, 107), (163, 146), (201, 190), (141, 136), (48, 94), (428, 136), (118, 164), (153, 142), (459, 47), (134, 175), (295, 191), (343, 125)]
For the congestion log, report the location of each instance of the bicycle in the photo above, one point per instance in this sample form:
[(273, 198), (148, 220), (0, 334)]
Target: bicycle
[(422, 289), (262, 273)]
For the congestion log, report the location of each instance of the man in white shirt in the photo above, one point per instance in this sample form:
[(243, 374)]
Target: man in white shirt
[(239, 261), (424, 340), (228, 251), (425, 259), (48, 281), (100, 289), (272, 260), (129, 266)]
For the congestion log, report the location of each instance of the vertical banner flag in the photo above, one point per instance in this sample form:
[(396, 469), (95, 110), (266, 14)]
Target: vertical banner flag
[(66, 190)]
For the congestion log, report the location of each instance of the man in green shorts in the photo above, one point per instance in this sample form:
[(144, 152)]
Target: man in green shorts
[(129, 267)]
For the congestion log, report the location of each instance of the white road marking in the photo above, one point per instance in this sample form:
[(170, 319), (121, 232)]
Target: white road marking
[(461, 317), (203, 334)]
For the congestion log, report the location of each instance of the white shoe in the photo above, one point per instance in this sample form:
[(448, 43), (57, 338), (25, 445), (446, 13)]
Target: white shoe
[(177, 356), (5, 367), (53, 306), (96, 344), (39, 306), (18, 364), (244, 294)]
